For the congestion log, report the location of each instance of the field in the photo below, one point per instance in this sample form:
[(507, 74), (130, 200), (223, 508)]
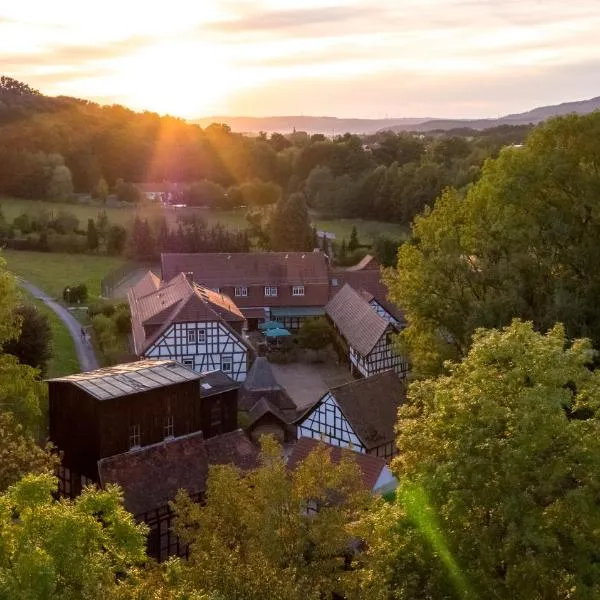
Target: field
[(64, 360), (234, 219), (52, 272)]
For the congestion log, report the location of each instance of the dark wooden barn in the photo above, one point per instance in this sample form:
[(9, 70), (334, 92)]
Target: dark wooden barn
[(110, 411)]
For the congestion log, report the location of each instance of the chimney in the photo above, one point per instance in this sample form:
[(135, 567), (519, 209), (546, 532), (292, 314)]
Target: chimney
[(190, 276)]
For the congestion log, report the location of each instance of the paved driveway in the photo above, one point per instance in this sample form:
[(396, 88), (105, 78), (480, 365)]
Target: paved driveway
[(307, 382), (85, 352)]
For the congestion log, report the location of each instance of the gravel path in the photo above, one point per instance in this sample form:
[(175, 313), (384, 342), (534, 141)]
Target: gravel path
[(85, 352)]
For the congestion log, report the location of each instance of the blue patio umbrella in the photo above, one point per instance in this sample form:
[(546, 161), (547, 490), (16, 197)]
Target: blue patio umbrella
[(270, 325), (277, 332)]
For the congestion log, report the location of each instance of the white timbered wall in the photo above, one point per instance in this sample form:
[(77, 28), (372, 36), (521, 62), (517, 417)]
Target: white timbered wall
[(327, 422), (384, 313), (220, 344), (381, 358)]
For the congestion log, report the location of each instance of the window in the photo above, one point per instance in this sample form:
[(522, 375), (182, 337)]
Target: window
[(270, 291), (216, 289), (189, 362), (241, 292), (135, 436), (226, 363), (334, 282), (191, 336), (201, 336), (298, 290), (169, 427)]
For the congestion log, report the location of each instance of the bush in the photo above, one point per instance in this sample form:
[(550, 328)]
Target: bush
[(101, 307), (122, 319), (75, 294)]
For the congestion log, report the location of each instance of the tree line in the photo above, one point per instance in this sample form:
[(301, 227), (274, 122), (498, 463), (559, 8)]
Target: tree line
[(52, 147)]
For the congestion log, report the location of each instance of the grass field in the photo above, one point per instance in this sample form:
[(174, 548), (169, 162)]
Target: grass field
[(234, 219), (52, 272), (64, 358)]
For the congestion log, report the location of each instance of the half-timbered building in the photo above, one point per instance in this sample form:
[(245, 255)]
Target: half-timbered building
[(360, 415), (194, 325), (366, 335), (288, 287), (117, 409)]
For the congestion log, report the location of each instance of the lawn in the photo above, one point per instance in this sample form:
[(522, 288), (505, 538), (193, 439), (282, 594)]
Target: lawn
[(52, 272), (64, 358), (233, 219)]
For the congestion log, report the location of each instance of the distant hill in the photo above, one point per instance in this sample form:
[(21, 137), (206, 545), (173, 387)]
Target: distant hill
[(531, 117), (326, 125), (333, 125)]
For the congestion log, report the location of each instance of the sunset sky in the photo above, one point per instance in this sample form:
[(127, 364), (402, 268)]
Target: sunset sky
[(352, 58)]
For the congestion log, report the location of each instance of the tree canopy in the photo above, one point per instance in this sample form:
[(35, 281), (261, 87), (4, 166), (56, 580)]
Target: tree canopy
[(521, 243), (53, 550), (254, 540), (498, 463)]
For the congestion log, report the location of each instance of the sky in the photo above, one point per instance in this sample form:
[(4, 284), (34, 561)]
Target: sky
[(344, 58)]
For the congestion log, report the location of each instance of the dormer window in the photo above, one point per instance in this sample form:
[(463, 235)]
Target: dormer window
[(270, 291), (298, 290)]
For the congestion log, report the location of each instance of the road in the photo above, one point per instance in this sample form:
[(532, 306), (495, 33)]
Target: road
[(85, 352)]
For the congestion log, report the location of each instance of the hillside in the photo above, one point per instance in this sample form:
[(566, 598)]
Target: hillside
[(326, 125), (535, 116)]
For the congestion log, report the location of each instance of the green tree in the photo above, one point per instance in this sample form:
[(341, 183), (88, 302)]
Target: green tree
[(20, 454), (353, 244), (289, 226), (33, 346), (93, 240), (81, 549), (523, 242), (499, 464), (253, 539), (385, 250), (60, 184), (314, 334), (141, 240)]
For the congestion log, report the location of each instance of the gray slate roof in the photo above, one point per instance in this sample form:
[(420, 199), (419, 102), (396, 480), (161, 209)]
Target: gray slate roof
[(130, 378), (356, 320)]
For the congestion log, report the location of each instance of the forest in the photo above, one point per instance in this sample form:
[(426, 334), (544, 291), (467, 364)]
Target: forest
[(52, 147)]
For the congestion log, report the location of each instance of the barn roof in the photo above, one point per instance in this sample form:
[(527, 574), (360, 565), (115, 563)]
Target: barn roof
[(264, 407), (370, 405), (130, 378), (356, 319), (244, 268), (370, 466), (152, 475)]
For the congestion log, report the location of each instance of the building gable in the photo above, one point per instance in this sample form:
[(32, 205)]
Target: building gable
[(326, 421)]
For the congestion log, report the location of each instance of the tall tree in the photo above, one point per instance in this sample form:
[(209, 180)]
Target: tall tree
[(101, 191), (314, 334), (253, 539), (290, 227), (523, 242), (81, 549), (33, 346), (353, 243), (20, 454), (92, 236), (499, 466)]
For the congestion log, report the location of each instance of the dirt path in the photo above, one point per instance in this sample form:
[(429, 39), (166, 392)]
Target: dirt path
[(85, 352)]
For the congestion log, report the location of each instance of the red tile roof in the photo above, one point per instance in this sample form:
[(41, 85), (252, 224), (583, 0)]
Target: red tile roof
[(176, 301), (255, 270), (369, 465), (356, 320)]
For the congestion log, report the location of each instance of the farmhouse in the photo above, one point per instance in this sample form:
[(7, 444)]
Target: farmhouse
[(376, 475), (284, 286), (359, 415), (366, 328), (196, 326), (110, 411)]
